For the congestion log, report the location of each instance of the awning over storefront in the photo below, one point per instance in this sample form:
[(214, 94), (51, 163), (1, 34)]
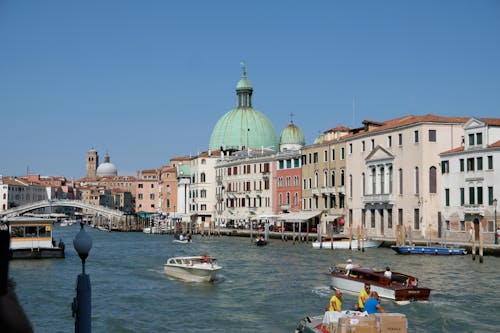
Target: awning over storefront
[(268, 216), (299, 216), (331, 217)]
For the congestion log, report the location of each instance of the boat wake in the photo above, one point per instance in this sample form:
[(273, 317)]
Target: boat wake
[(324, 291)]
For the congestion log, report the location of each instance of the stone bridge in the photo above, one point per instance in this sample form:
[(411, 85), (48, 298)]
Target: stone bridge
[(109, 214)]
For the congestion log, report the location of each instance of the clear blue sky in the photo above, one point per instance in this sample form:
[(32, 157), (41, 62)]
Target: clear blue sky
[(148, 80)]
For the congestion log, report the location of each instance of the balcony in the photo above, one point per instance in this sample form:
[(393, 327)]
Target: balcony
[(377, 198), (474, 209), (285, 207), (315, 191)]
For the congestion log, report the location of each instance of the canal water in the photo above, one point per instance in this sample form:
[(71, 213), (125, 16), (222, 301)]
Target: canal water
[(260, 289)]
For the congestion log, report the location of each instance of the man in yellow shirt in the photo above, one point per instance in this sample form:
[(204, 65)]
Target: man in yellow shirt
[(336, 301), (363, 296)]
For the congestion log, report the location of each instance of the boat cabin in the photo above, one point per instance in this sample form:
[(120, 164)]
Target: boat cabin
[(32, 238)]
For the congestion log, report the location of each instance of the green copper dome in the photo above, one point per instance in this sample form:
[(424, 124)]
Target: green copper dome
[(293, 135), (244, 126)]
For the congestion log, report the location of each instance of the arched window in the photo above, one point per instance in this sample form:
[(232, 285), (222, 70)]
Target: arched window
[(363, 185), (342, 178), (333, 177), (315, 180), (203, 177), (374, 180), (325, 178), (287, 198), (417, 181), (350, 185), (432, 180)]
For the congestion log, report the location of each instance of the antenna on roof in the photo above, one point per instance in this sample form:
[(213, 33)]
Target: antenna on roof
[(353, 111)]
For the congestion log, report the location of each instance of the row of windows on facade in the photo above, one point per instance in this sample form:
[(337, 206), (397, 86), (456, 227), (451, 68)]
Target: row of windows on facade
[(382, 179), (416, 219), (248, 202), (473, 164), (246, 186), (313, 157), (475, 196), (247, 169), (313, 203)]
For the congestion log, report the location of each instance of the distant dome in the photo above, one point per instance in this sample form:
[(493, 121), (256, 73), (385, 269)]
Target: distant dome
[(244, 127), (291, 138), (107, 168), (319, 139)]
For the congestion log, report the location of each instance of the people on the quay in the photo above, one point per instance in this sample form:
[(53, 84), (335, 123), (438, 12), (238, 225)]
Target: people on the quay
[(363, 296), (336, 301), (388, 273), (373, 305), (348, 267)]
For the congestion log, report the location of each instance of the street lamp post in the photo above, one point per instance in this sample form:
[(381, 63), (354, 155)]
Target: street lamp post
[(82, 302), (496, 225)]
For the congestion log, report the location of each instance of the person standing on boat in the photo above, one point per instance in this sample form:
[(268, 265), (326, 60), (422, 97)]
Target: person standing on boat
[(363, 296), (348, 267), (336, 301), (373, 305), (388, 273)]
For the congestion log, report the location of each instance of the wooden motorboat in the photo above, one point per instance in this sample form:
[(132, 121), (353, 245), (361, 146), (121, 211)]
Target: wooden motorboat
[(31, 238), (435, 250), (401, 288), (195, 268), (342, 242)]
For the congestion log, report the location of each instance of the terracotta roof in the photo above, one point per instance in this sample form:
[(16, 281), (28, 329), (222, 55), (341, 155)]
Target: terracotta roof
[(454, 150), (495, 145), (339, 128), (491, 121)]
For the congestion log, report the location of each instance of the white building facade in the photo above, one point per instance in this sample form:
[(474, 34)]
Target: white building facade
[(392, 174), (471, 181)]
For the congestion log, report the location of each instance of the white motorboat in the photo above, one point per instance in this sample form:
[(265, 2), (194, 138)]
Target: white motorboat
[(181, 241), (195, 268), (342, 242)]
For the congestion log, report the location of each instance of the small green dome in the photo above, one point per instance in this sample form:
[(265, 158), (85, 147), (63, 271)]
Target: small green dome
[(319, 139), (292, 134), (244, 84)]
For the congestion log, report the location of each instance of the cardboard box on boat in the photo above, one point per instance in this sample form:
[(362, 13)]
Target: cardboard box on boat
[(391, 322), (357, 324)]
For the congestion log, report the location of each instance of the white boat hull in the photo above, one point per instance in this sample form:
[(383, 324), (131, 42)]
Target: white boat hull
[(190, 269), (355, 287), (344, 244)]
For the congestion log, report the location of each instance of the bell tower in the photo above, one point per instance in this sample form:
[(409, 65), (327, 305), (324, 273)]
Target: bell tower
[(92, 163)]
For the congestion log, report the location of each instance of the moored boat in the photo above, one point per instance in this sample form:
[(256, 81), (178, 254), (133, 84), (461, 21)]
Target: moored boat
[(401, 288), (31, 238), (194, 268), (342, 242), (435, 250)]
